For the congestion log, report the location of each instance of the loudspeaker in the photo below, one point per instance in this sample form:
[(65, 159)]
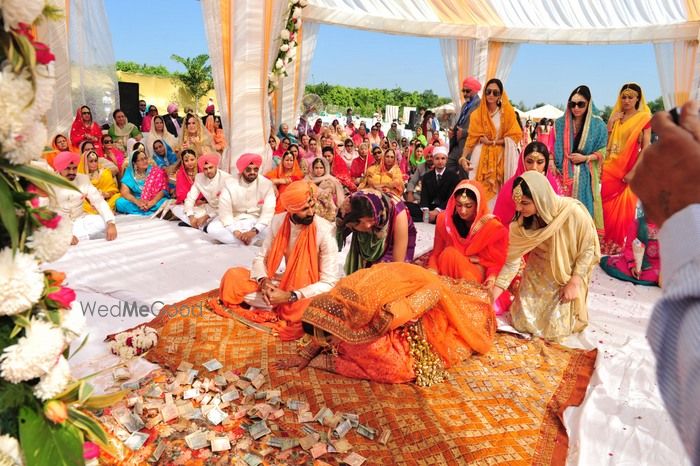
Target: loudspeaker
[(129, 102), (412, 117)]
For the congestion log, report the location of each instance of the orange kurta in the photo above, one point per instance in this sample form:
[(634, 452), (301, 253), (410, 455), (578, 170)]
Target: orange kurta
[(279, 172)]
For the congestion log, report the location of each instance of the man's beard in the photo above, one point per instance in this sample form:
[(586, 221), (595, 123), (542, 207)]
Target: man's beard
[(302, 220)]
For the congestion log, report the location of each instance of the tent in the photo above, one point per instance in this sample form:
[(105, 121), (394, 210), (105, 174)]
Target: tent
[(545, 111)]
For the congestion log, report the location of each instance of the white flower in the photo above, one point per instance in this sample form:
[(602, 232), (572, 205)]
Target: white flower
[(21, 282), (303, 3), (29, 144), (49, 244), (15, 95), (284, 34), (54, 382), (284, 47), (34, 354), (292, 52), (9, 451), (296, 13), (279, 63), (20, 11), (43, 94), (73, 322), (294, 2)]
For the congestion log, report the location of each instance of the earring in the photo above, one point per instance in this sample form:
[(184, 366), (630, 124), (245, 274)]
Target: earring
[(499, 102)]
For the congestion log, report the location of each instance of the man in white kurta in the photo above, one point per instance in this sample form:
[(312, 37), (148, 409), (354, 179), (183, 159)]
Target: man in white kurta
[(69, 203), (209, 182), (246, 205)]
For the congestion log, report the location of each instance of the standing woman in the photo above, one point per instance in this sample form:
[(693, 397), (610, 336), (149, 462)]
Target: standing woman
[(492, 141), (561, 242), (580, 143), (629, 133), (84, 129)]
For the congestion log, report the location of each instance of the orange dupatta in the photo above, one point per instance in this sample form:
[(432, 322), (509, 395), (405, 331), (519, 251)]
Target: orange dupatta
[(279, 172)]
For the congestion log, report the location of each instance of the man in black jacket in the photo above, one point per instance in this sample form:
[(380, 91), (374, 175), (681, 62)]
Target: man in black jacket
[(173, 122), (470, 89), (437, 184)]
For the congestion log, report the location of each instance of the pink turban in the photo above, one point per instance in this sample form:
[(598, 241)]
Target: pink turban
[(209, 109), (172, 107), (63, 159), (471, 83), (297, 194), (246, 159), (212, 158)]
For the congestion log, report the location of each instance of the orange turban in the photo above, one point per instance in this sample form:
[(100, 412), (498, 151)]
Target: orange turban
[(297, 194), (212, 158), (63, 159)]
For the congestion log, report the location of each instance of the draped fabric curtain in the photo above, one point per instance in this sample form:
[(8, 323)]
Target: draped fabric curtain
[(462, 58), (501, 56), (93, 74), (55, 34), (678, 64), (292, 87), (242, 42)]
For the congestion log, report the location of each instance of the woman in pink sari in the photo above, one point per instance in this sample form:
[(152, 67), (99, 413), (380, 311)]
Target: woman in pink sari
[(535, 157), (185, 175)]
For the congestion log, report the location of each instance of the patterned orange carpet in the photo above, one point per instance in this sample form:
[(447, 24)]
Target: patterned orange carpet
[(504, 407)]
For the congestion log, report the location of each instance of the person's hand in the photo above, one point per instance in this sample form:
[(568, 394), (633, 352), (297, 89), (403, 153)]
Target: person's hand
[(247, 237), (111, 233), (276, 296), (485, 140), (615, 117), (460, 131), (410, 197), (433, 215), (570, 291), (74, 240), (634, 272), (345, 206), (465, 164), (105, 196), (489, 283), (665, 178), (496, 292), (577, 158), (297, 362), (143, 205)]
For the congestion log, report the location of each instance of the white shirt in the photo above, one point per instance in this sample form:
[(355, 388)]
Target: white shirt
[(209, 188), (70, 203), (327, 254), (240, 200)]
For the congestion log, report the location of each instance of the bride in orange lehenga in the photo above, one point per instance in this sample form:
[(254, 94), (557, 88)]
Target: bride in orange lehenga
[(395, 323)]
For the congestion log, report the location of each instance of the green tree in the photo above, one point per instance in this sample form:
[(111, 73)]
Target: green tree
[(196, 79), (656, 105), (133, 67)]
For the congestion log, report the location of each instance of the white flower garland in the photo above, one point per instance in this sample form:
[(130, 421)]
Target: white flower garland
[(132, 343), (21, 282), (288, 44)]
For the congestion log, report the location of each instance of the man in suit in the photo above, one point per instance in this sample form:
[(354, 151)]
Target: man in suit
[(173, 122), (470, 89), (437, 184)]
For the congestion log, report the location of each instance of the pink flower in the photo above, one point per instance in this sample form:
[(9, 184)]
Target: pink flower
[(63, 297), (43, 53), (50, 220), (90, 450)]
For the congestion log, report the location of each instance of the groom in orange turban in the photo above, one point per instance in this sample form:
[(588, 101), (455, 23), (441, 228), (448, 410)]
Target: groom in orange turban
[(277, 298)]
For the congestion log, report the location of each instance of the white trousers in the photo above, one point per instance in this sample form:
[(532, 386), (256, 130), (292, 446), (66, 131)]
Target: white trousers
[(179, 211), (89, 227), (223, 234)]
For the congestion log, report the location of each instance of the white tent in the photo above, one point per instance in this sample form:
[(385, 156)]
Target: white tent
[(545, 111)]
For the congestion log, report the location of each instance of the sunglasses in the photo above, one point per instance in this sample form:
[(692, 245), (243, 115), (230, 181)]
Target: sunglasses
[(348, 145), (494, 92), (579, 104), (466, 91), (86, 113), (107, 141)]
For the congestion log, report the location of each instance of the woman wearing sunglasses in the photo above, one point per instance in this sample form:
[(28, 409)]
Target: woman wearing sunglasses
[(491, 143), (581, 137)]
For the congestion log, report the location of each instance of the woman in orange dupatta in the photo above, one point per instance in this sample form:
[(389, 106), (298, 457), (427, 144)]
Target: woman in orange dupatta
[(491, 145), (386, 176), (470, 243), (59, 144), (213, 125), (285, 173), (630, 132), (395, 323)]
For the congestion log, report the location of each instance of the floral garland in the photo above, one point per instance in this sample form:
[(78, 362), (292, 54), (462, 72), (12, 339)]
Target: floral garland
[(288, 44), (132, 343), (44, 417)]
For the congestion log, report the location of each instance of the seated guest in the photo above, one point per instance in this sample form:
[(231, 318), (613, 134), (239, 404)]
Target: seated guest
[(194, 136), (164, 157), (246, 205), (561, 241), (286, 173), (306, 243), (469, 243), (412, 188), (283, 132), (535, 157), (395, 323), (185, 175), (112, 154), (639, 262), (438, 184), (213, 125), (279, 151), (417, 154), (88, 146), (148, 118), (348, 154), (338, 168), (58, 144), (121, 131), (69, 203), (158, 132), (209, 182), (101, 179), (385, 176), (360, 164), (84, 128), (330, 193), (173, 122), (144, 186), (382, 230)]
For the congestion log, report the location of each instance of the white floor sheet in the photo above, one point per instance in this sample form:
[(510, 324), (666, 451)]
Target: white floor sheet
[(622, 421)]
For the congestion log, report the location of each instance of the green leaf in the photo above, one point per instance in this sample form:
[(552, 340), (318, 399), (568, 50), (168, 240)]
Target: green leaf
[(84, 392), (104, 401), (8, 216), (91, 427), (45, 444), (40, 177), (79, 347)]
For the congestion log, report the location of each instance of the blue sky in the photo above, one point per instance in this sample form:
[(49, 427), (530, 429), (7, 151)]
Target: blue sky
[(541, 73)]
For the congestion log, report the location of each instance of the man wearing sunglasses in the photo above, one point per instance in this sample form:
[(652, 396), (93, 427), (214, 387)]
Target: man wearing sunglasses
[(470, 90)]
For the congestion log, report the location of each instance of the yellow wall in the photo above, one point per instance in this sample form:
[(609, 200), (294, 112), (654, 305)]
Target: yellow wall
[(160, 91)]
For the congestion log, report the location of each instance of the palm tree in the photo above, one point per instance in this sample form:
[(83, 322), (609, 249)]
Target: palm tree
[(196, 79)]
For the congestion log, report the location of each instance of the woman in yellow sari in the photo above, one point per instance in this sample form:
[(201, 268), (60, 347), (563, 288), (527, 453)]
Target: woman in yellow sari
[(385, 176), (101, 178), (395, 323), (561, 239), (491, 147), (630, 132)]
